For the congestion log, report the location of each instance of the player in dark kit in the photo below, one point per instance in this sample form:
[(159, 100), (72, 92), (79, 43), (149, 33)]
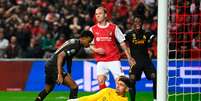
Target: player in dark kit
[(54, 68), (139, 42)]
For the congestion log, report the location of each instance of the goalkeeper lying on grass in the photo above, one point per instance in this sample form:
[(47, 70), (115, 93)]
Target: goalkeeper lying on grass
[(109, 94)]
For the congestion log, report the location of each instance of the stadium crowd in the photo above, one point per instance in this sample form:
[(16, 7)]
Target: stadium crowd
[(184, 29), (36, 28)]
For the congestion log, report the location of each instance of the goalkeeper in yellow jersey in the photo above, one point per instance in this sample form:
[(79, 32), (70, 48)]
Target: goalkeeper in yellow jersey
[(109, 94)]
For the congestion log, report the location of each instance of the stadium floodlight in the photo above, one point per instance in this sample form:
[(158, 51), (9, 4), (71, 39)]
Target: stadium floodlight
[(162, 50)]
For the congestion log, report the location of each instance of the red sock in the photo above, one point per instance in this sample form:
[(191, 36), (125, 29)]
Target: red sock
[(101, 86)]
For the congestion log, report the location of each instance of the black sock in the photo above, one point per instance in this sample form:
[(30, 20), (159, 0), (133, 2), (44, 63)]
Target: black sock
[(132, 91), (73, 93), (42, 95), (154, 88)]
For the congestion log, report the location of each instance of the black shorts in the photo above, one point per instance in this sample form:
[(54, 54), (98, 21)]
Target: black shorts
[(147, 68), (51, 75)]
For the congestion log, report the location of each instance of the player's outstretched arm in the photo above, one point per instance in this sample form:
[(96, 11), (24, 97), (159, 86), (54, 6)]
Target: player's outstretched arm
[(93, 97)]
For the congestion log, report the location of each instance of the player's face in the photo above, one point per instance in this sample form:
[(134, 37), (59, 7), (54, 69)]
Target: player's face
[(86, 41), (100, 15), (121, 87), (137, 24)]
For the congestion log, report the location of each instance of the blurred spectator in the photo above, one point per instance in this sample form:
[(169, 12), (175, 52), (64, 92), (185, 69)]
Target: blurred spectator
[(196, 46), (52, 14), (108, 5), (2, 18), (193, 7), (88, 21), (62, 28), (184, 46), (60, 41), (172, 45), (23, 34), (34, 50), (37, 30), (3, 43), (75, 27), (196, 41), (200, 6), (13, 50), (47, 45)]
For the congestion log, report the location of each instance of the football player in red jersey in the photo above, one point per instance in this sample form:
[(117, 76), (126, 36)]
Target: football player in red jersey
[(107, 54)]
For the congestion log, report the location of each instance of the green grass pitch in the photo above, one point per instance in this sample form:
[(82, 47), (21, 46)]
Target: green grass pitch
[(185, 97), (62, 96), (58, 96)]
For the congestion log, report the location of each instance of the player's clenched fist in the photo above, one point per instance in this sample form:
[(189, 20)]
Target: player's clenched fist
[(131, 61)]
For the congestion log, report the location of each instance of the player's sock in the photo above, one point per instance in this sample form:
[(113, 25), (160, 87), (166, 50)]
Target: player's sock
[(154, 88), (132, 91), (38, 99), (73, 93), (42, 95), (102, 86)]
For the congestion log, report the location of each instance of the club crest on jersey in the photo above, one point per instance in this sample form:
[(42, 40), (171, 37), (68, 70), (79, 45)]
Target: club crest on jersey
[(134, 36), (97, 39)]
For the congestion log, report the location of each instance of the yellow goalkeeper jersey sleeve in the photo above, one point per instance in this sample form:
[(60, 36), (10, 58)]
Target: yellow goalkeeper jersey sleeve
[(107, 94)]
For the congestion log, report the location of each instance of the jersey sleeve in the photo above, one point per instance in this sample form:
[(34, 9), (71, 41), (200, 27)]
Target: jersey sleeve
[(119, 35), (127, 34), (95, 96), (64, 46)]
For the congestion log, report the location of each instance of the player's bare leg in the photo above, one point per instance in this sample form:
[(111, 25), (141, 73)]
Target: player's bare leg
[(45, 92), (73, 86), (101, 81)]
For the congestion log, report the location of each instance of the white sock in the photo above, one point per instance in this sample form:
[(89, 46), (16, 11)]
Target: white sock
[(154, 99)]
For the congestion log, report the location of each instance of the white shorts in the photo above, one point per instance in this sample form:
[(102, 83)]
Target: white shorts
[(114, 67)]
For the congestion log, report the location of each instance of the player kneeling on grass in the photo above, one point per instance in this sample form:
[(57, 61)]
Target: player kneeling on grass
[(109, 94), (54, 68)]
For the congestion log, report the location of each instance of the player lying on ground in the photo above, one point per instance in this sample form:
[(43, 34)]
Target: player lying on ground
[(54, 68), (109, 94)]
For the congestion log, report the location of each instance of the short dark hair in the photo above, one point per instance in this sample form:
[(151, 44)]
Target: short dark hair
[(125, 79), (87, 34)]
